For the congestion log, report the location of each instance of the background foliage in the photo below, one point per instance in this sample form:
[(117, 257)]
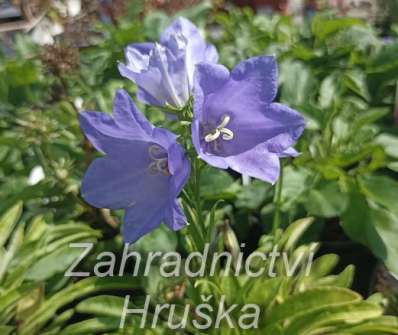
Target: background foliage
[(338, 71)]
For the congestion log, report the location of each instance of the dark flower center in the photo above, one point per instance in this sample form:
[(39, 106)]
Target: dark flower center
[(212, 133), (159, 163)]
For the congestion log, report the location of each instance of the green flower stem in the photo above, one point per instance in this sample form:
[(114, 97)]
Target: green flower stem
[(197, 196), (192, 196), (194, 202), (277, 203)]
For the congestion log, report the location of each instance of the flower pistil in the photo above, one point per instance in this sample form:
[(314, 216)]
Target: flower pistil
[(221, 130)]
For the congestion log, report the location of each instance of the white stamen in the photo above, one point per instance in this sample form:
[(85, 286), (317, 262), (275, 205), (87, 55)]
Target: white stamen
[(225, 121), (212, 136), (226, 133)]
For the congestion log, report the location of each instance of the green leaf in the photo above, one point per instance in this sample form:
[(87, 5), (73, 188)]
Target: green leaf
[(328, 90), (356, 38), (92, 326), (161, 239), (393, 166), (324, 26), (389, 143), (333, 315), (53, 263), (355, 219), (60, 319), (323, 265), (294, 232), (382, 190), (311, 300), (217, 184), (382, 237), (381, 326), (356, 82), (15, 243), (253, 195), (296, 182), (374, 227), (102, 305), (21, 73), (86, 286), (327, 200), (212, 218), (297, 82), (255, 294), (6, 330), (8, 221), (369, 117), (344, 279), (196, 12), (385, 59), (29, 303), (11, 297)]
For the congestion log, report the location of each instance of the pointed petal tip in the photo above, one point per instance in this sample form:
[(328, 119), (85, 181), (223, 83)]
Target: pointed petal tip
[(175, 217), (121, 67), (122, 95), (125, 72), (208, 77), (181, 21), (176, 226)]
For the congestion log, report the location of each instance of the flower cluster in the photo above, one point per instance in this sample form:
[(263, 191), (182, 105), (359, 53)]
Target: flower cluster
[(235, 125), (164, 71)]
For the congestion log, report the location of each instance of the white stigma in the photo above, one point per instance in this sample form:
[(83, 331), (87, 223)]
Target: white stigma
[(225, 133)]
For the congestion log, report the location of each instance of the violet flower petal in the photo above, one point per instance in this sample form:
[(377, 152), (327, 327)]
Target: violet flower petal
[(257, 162), (175, 218), (164, 71), (244, 98), (237, 125), (143, 170)]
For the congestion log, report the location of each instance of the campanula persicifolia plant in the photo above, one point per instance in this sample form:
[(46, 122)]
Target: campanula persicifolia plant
[(234, 121), (63, 265)]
